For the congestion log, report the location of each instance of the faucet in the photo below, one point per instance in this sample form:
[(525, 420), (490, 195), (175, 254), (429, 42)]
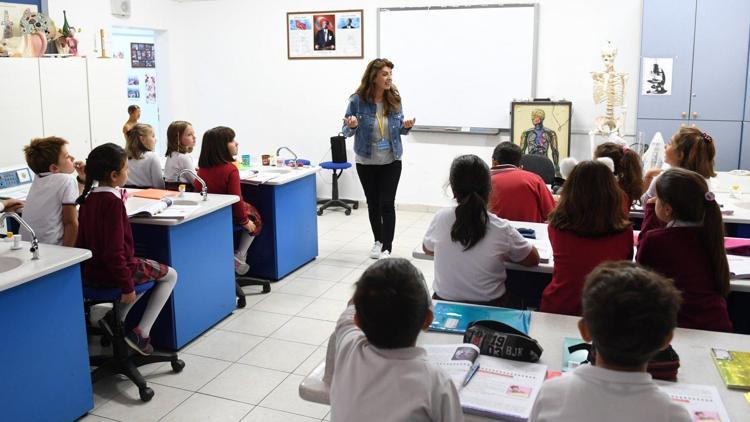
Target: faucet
[(34, 241), (204, 188), (292, 152)]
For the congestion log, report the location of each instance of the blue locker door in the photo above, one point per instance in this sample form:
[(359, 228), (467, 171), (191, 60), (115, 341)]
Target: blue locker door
[(649, 127), (722, 30), (745, 150), (727, 136), (668, 33)]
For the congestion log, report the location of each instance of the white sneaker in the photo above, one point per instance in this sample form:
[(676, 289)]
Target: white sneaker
[(240, 266), (384, 255), (375, 251)]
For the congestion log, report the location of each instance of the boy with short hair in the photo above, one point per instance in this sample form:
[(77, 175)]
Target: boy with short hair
[(517, 194), (51, 203), (629, 315), (378, 373)]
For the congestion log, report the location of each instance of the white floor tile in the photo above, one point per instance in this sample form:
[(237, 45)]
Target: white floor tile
[(129, 407), (203, 408), (286, 397), (344, 260), (354, 276), (339, 291), (224, 345), (282, 303), (325, 309), (257, 323), (305, 330), (245, 383), (326, 272), (198, 372), (306, 287), (312, 361), (278, 354), (93, 418), (262, 414), (342, 236)]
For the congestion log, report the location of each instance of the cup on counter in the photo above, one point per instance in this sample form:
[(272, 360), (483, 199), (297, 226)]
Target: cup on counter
[(265, 159), (280, 162), (246, 160)]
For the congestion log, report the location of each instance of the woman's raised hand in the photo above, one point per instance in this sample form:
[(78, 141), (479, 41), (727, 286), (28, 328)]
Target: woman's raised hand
[(351, 121)]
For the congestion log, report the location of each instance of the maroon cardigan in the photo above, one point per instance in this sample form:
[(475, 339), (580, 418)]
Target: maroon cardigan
[(679, 253), (103, 228)]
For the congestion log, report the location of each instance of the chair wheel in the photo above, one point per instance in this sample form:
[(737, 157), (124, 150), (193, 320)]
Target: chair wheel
[(146, 394), (267, 288), (355, 205), (348, 212), (177, 365), (320, 212), (241, 302)]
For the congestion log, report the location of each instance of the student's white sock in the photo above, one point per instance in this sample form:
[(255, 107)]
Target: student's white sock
[(245, 241), (159, 295)]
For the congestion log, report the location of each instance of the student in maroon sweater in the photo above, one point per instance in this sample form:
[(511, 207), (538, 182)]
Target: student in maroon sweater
[(628, 171), (586, 229), (690, 249), (216, 167), (103, 228)]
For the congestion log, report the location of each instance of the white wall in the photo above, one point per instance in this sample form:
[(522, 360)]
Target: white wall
[(243, 79)]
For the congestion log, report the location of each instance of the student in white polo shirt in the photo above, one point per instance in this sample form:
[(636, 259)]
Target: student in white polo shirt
[(50, 208), (471, 244), (378, 374), (629, 315)]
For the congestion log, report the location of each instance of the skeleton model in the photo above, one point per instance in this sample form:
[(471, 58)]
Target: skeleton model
[(609, 88)]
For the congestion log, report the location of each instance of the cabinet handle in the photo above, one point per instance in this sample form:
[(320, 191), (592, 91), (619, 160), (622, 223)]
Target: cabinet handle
[(683, 125), (693, 125), (683, 114), (695, 114)]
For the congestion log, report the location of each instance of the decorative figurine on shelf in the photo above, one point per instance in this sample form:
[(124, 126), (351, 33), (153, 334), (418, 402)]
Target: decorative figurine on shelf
[(34, 28), (6, 25), (539, 140), (609, 88), (65, 39)]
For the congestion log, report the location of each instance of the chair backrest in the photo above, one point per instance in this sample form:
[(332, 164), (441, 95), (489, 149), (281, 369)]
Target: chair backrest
[(541, 165)]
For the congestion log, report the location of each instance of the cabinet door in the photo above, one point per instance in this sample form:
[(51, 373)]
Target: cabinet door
[(649, 127), (722, 28), (20, 108), (108, 100), (65, 105), (667, 32), (727, 136), (745, 150)]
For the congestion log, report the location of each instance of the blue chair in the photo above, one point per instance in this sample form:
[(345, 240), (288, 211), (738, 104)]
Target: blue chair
[(335, 201), (241, 281), (123, 360)]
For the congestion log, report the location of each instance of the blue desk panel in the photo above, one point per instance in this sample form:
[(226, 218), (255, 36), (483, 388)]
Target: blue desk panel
[(44, 353), (201, 252)]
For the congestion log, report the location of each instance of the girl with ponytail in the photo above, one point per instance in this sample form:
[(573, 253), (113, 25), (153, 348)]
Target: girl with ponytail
[(628, 171), (470, 244), (690, 249), (104, 229), (586, 228)]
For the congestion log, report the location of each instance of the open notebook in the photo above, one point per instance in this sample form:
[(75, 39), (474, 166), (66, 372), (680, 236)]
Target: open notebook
[(501, 388), (164, 208), (739, 266), (702, 401)]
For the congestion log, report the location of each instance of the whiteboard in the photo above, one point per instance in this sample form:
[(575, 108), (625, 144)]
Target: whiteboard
[(459, 67)]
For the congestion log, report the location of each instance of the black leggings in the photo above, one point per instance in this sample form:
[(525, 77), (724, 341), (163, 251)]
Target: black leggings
[(380, 183)]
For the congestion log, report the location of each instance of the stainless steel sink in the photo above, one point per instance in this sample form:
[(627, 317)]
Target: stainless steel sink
[(8, 263)]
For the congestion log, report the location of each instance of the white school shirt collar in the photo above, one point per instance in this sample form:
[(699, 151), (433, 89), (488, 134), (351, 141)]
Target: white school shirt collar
[(683, 223), (503, 168), (114, 191), (402, 353), (609, 375)]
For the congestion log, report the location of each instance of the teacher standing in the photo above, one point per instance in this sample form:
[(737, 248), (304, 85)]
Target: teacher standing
[(375, 118)]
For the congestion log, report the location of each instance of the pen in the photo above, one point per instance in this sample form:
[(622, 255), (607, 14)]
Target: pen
[(471, 373)]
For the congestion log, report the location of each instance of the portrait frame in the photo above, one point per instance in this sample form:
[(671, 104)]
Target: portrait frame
[(557, 118), (343, 38)]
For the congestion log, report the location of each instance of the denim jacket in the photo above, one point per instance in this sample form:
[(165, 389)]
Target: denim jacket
[(365, 113)]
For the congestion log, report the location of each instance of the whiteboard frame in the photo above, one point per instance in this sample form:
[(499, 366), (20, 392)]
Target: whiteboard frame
[(473, 130)]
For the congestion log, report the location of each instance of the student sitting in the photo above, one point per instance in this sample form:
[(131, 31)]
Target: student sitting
[(144, 164), (105, 231), (586, 229), (629, 315), (628, 171), (690, 249), (377, 371), (51, 203), (471, 245), (180, 143), (216, 167), (517, 194)]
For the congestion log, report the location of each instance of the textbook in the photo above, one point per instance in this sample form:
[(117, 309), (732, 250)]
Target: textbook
[(149, 208), (154, 193), (702, 401), (455, 317), (500, 388), (739, 266), (734, 367)]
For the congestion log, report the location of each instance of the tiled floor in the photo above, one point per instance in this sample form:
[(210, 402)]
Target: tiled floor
[(248, 367)]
